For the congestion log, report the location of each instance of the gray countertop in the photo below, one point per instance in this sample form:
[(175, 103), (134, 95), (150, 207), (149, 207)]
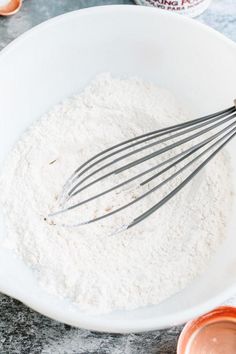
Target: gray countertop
[(21, 329)]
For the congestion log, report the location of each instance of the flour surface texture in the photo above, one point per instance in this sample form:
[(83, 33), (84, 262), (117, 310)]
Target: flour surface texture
[(99, 272)]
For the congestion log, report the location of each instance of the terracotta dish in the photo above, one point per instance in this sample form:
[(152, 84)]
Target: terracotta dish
[(10, 8)]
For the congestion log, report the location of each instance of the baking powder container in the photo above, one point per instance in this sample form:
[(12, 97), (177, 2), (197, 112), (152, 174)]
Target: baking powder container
[(190, 8)]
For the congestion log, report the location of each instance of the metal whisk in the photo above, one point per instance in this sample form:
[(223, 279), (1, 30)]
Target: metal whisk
[(199, 140)]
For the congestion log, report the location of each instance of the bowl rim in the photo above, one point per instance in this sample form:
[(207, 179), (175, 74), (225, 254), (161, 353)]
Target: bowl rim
[(107, 325), (107, 8)]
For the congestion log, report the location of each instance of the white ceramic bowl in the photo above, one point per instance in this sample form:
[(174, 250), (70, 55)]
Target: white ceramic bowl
[(58, 58)]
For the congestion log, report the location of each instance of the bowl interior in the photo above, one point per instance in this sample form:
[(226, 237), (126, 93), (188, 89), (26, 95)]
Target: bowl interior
[(57, 59)]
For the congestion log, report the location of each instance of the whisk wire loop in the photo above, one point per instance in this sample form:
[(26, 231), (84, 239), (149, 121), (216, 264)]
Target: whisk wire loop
[(219, 128)]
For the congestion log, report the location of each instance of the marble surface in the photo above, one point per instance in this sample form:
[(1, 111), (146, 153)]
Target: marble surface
[(24, 331)]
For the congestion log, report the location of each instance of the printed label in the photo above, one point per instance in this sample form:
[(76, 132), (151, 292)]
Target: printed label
[(183, 6)]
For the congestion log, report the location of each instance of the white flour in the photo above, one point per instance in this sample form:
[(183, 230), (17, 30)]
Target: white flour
[(141, 266)]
